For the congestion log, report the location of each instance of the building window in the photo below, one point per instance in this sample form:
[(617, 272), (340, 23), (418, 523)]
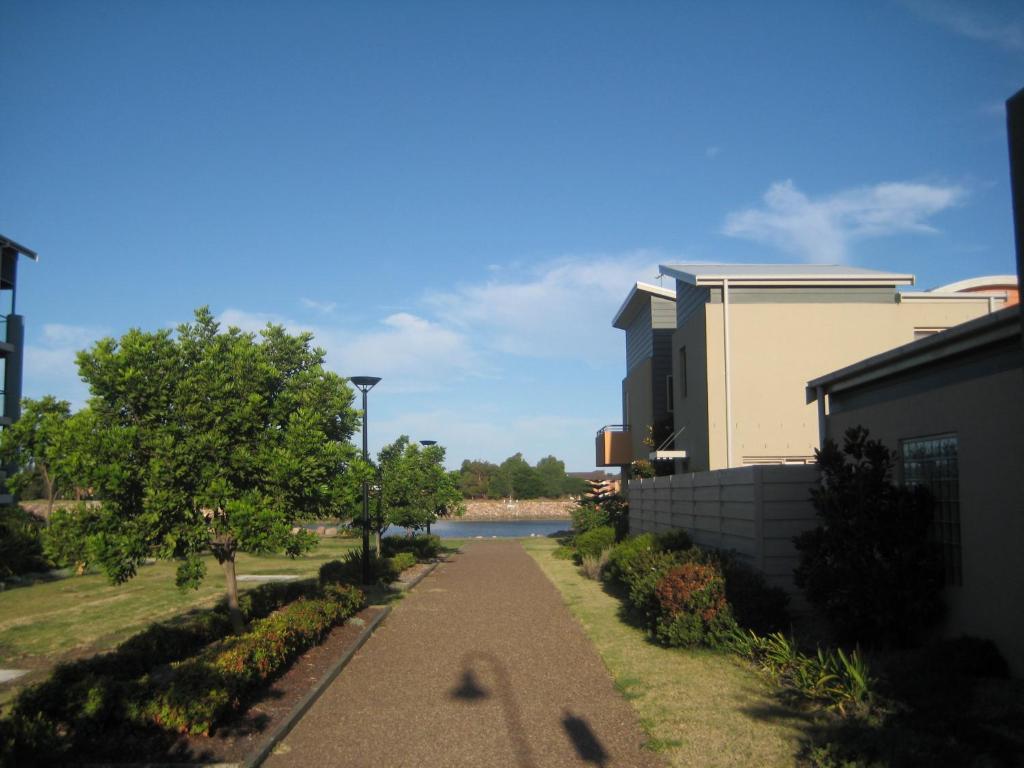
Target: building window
[(931, 462), (682, 370), (670, 395)]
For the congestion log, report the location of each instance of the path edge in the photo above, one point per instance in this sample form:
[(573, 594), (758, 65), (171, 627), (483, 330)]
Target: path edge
[(263, 751)]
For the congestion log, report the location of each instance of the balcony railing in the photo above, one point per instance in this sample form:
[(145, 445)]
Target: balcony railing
[(614, 446)]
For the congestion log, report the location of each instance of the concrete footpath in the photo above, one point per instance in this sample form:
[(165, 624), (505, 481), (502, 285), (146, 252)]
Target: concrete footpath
[(481, 665)]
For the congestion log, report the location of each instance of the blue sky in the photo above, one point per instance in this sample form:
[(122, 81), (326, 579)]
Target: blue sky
[(456, 196)]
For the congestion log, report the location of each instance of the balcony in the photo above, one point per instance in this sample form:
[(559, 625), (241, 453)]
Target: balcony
[(614, 446)]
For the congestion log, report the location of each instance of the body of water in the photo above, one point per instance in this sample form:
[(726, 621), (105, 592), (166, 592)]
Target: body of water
[(486, 529)]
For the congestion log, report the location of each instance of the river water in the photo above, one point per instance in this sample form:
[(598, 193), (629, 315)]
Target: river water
[(490, 529)]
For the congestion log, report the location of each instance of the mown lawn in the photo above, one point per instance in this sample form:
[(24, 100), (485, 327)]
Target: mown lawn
[(42, 623), (698, 708)]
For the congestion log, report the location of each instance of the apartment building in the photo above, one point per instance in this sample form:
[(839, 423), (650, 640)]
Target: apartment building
[(746, 339)]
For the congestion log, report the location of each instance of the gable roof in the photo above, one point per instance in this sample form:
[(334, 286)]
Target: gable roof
[(639, 295), (782, 274)]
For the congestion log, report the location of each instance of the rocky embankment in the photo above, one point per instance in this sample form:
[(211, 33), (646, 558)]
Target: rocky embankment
[(534, 509)]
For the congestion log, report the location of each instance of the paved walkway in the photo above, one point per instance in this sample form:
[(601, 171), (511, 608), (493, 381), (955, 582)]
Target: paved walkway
[(481, 665)]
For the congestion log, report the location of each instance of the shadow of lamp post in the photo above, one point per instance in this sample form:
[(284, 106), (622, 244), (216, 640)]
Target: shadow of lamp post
[(364, 384)]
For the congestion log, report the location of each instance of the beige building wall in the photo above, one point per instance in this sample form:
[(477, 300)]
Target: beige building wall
[(775, 349), (691, 407), (987, 416), (638, 406)]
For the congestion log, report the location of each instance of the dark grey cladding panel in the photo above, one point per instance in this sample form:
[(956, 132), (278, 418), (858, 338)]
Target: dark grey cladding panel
[(639, 341), (689, 299), (810, 295), (661, 367)]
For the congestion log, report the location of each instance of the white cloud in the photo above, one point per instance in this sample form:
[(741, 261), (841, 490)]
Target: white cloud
[(821, 230), (987, 22), (50, 367), (412, 353), (322, 307), (562, 308)]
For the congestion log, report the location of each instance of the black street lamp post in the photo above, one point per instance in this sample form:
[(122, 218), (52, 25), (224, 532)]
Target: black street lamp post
[(365, 384)]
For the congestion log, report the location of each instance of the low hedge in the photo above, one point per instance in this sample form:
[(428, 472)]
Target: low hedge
[(205, 690), (85, 703), (423, 547), (350, 570), (594, 541)]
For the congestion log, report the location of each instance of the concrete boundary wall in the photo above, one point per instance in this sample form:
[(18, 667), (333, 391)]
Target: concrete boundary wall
[(755, 510)]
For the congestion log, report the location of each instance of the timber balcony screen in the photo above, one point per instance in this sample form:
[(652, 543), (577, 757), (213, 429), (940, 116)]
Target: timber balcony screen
[(614, 446)]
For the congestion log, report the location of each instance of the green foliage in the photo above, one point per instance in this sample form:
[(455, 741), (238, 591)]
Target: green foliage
[(693, 608), (402, 560), (334, 572), (212, 440), (592, 566), (414, 490), (84, 702), (36, 444), (641, 468), (591, 513), (839, 680), (423, 547), (870, 567), (208, 688), (515, 477), (66, 539), (21, 549), (594, 541)]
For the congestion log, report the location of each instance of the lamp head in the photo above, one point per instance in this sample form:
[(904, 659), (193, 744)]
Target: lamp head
[(364, 383)]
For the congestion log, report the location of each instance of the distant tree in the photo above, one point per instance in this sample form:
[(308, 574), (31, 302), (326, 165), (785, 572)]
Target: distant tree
[(871, 566), (210, 440), (475, 478), (524, 480), (36, 444), (551, 474)]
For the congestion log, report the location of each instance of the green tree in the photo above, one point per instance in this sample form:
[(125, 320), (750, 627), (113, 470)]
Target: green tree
[(413, 487), (551, 474), (213, 441), (524, 481), (871, 566), (36, 444), (475, 478)]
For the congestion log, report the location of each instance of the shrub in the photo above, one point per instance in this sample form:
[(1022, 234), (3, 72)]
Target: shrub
[(621, 558), (676, 540), (66, 538), (595, 513), (423, 547), (755, 604), (870, 567), (596, 540), (693, 608), (334, 572), (204, 690), (842, 681), (401, 561), (593, 566), (21, 549), (641, 576)]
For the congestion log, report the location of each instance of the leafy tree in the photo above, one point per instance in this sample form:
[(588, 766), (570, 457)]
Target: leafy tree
[(476, 477), (871, 566), (551, 476), (210, 440), (414, 488), (35, 444)]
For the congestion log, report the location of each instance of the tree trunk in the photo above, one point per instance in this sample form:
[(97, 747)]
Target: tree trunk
[(233, 610), (376, 536), (49, 485)]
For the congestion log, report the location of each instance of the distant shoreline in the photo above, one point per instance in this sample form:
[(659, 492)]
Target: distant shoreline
[(502, 510)]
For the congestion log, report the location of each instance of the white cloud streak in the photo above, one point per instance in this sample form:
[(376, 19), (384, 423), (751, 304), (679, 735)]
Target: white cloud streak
[(822, 230), (561, 309), (986, 22)]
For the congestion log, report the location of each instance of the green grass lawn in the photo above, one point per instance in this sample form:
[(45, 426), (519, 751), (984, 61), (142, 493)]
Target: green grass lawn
[(47, 621), (699, 708)]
